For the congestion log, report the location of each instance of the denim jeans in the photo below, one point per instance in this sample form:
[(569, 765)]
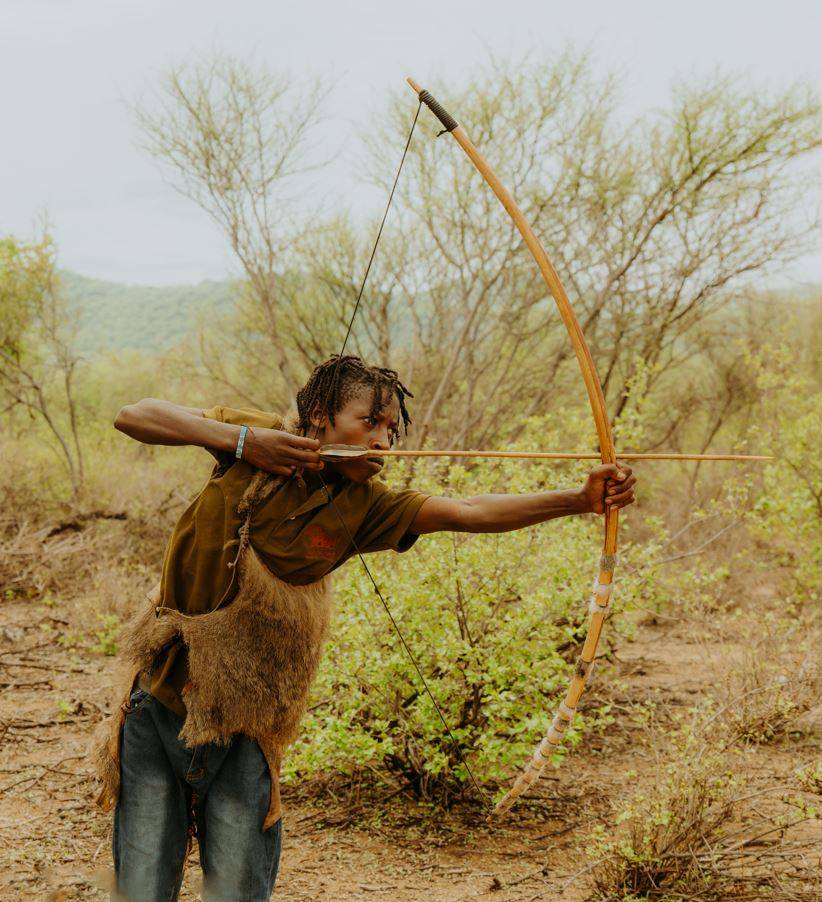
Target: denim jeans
[(226, 787)]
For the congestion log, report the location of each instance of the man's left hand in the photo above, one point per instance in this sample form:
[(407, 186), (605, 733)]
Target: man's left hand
[(609, 485)]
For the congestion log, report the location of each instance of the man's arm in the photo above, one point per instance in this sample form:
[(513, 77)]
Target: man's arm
[(607, 485), (157, 422)]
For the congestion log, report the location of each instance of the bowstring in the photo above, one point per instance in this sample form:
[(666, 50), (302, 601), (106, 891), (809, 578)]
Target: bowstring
[(336, 372), (329, 495)]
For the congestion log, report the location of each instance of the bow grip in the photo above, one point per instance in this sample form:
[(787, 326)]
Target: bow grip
[(449, 123)]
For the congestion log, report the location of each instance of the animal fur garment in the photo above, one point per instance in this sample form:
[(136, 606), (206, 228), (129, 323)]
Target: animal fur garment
[(251, 662)]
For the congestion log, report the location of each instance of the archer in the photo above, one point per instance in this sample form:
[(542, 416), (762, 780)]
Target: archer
[(219, 664)]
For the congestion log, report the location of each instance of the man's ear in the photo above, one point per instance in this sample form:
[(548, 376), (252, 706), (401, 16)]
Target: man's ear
[(318, 419)]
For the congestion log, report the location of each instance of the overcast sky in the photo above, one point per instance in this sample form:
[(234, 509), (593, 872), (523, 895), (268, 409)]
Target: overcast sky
[(68, 67)]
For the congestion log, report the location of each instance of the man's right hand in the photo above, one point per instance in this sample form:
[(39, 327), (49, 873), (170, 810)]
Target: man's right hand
[(280, 452)]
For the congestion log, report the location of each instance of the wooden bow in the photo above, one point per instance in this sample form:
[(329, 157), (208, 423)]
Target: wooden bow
[(601, 599)]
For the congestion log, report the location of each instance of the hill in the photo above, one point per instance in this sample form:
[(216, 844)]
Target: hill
[(116, 316)]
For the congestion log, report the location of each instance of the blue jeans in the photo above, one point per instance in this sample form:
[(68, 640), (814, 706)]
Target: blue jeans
[(225, 787)]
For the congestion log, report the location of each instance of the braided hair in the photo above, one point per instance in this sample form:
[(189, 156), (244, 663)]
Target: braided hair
[(337, 380)]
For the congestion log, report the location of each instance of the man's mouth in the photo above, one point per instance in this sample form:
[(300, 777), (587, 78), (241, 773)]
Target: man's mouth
[(378, 462)]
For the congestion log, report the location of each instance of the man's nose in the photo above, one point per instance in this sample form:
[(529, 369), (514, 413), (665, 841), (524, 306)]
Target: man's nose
[(381, 442)]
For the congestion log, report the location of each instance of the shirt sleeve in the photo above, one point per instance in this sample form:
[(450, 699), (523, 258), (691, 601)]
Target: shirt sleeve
[(244, 416), (390, 514)]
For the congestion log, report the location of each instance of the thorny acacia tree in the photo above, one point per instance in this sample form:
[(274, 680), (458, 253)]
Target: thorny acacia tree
[(38, 365), (236, 142)]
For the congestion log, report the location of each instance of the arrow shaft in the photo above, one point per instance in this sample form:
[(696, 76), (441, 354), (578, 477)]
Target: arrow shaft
[(354, 453), (571, 455)]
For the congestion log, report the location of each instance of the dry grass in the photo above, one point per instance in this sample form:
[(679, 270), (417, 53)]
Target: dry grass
[(771, 710), (712, 825), (702, 833)]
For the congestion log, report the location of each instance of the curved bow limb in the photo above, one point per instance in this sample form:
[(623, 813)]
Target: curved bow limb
[(601, 599)]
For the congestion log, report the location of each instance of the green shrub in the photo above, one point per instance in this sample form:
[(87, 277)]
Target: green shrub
[(788, 511), (494, 621)]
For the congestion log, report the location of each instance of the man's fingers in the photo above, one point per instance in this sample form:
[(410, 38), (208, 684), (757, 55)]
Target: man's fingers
[(302, 458), (618, 483), (305, 459), (618, 471), (619, 487), (620, 500), (619, 503), (622, 477), (303, 442)]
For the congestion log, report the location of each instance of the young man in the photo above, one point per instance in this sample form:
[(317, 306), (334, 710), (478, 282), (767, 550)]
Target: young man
[(219, 665)]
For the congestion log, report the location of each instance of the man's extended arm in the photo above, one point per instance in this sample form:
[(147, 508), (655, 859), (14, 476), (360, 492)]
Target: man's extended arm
[(157, 422), (607, 484)]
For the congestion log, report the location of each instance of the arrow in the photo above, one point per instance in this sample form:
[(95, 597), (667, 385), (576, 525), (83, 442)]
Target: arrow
[(332, 453)]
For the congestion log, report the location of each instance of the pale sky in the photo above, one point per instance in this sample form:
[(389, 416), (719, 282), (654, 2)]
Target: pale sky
[(69, 67)]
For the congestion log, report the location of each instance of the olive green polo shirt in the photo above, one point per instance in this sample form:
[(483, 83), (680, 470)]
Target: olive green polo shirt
[(296, 532)]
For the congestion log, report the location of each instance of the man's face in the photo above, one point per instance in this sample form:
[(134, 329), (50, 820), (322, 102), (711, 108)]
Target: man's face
[(355, 425)]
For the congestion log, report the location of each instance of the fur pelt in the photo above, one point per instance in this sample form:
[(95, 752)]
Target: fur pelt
[(250, 664)]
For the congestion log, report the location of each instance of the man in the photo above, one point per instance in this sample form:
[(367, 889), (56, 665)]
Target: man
[(218, 667)]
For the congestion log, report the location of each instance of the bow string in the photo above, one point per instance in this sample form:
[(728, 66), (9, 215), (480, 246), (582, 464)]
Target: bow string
[(423, 682)]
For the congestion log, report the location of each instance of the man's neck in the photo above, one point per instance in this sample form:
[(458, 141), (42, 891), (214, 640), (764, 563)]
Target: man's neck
[(313, 480)]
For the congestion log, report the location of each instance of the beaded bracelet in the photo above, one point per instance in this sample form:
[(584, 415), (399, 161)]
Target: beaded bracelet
[(240, 442)]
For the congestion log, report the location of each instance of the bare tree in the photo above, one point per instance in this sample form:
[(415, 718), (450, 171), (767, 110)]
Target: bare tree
[(653, 227), (237, 141)]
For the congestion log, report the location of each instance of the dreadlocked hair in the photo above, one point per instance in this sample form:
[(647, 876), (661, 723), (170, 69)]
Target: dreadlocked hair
[(336, 381)]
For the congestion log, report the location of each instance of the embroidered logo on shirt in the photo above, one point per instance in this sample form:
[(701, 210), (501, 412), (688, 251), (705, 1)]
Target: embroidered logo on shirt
[(320, 543)]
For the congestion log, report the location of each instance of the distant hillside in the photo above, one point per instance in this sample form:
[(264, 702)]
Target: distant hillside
[(115, 316)]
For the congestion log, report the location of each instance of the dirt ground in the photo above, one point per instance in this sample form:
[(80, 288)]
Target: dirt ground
[(54, 844)]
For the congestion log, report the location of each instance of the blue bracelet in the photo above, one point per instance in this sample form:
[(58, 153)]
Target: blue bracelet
[(240, 442)]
